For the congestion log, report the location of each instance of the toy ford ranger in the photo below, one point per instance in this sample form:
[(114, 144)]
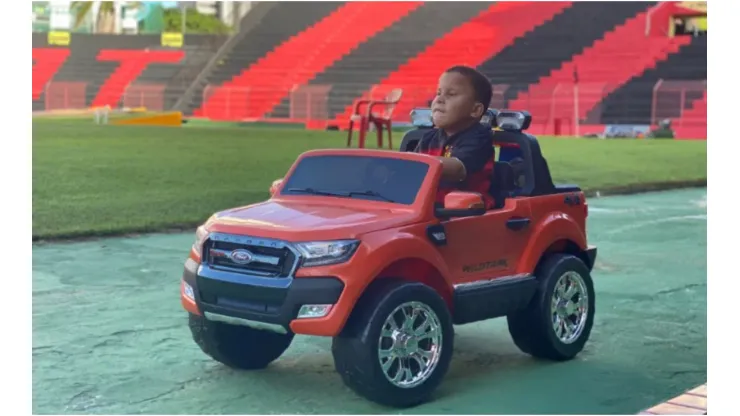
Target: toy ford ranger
[(352, 246)]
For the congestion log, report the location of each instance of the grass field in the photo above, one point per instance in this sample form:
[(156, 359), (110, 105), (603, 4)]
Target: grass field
[(100, 180)]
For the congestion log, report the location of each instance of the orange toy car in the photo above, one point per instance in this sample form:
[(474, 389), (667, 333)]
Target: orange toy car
[(351, 246)]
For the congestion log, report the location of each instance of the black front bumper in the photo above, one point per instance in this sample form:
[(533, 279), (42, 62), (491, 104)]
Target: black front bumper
[(273, 301), (591, 256)]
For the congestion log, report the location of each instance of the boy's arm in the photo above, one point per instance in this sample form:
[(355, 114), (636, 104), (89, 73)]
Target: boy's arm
[(452, 169), (469, 155), (473, 153)]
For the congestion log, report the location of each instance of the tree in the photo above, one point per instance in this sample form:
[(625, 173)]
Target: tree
[(105, 21)]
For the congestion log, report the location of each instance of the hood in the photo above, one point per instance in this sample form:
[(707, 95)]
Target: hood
[(292, 221)]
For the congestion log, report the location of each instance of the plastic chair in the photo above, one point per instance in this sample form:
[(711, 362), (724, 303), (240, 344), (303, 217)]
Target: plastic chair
[(380, 121)]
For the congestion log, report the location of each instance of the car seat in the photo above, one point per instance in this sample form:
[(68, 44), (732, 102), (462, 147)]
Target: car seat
[(503, 183), (411, 139)]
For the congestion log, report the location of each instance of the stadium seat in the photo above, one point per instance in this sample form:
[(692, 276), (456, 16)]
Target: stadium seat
[(46, 63), (132, 64), (621, 54)]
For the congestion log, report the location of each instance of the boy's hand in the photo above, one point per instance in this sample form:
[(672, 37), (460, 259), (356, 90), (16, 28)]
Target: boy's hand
[(453, 169), (274, 186)]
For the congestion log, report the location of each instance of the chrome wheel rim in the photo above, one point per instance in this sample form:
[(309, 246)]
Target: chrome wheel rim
[(569, 307), (410, 344)]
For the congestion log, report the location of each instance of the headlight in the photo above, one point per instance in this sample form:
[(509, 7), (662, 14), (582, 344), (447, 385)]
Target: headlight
[(322, 253), (200, 237)]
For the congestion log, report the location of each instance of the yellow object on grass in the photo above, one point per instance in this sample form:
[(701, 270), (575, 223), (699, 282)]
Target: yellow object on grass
[(172, 119)]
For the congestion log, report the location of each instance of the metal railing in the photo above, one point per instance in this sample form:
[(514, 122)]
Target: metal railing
[(553, 109), (671, 99)]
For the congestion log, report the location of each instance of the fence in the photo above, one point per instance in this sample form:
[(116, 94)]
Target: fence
[(552, 108), (150, 96), (61, 95), (672, 99), (78, 95), (558, 109), (309, 103)]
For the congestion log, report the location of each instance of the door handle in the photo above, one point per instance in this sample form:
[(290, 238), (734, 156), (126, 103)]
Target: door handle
[(517, 224)]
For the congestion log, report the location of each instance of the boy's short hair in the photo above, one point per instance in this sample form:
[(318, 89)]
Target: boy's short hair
[(481, 84)]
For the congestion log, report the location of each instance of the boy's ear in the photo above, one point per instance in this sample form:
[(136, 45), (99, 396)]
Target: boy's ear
[(477, 110)]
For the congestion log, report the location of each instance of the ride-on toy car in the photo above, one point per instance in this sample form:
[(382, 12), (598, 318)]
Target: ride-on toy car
[(352, 246)]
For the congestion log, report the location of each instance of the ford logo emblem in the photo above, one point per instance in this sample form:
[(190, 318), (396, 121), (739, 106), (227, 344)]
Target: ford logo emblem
[(240, 256)]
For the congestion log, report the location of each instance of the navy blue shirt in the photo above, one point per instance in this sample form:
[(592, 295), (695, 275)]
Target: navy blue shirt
[(474, 148)]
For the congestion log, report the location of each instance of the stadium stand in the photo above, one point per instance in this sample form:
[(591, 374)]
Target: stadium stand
[(609, 62), (544, 49), (100, 68), (470, 43), (263, 29), (131, 63), (309, 62), (197, 56), (261, 86), (692, 122), (383, 53), (633, 101), (46, 62)]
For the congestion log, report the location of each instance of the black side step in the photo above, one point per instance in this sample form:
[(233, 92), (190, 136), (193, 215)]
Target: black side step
[(487, 299)]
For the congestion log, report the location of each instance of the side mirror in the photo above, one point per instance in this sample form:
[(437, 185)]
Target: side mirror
[(461, 204), (275, 185)]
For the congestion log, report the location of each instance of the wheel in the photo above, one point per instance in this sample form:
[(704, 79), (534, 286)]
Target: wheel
[(397, 346), (558, 322), (237, 346)]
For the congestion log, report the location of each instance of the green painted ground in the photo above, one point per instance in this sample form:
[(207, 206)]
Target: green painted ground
[(109, 335)]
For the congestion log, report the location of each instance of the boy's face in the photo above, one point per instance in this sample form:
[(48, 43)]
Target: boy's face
[(455, 107)]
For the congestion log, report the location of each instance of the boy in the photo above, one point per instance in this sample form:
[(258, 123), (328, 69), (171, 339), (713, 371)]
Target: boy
[(463, 144)]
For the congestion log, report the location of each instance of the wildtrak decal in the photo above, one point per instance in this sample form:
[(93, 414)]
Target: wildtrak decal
[(472, 268)]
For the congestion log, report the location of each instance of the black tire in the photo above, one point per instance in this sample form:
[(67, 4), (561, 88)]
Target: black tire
[(532, 329), (355, 351), (238, 347)]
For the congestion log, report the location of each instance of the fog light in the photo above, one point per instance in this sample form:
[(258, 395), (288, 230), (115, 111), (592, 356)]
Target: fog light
[(314, 311), (188, 291)]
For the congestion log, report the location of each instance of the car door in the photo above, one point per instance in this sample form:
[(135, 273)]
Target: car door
[(487, 246)]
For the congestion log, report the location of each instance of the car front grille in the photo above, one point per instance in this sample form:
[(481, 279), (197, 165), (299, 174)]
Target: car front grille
[(249, 255)]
